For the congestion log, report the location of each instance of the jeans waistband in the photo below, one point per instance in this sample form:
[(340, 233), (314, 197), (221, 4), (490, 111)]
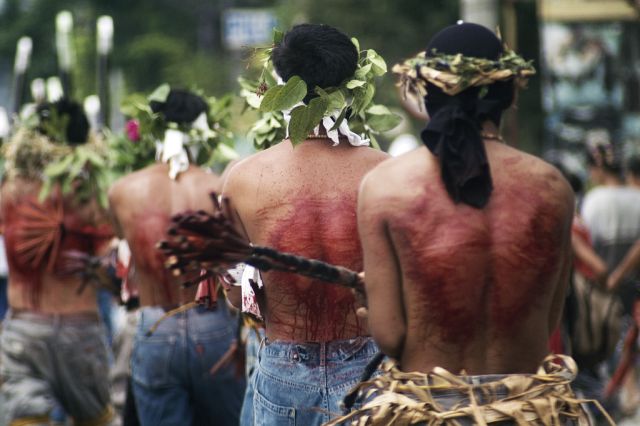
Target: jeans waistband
[(40, 317), (335, 350)]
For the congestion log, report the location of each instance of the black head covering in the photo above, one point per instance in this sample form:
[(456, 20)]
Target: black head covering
[(77, 125), (181, 106), (453, 132)]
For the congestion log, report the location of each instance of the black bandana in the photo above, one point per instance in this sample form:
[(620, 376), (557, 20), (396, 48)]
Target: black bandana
[(453, 132)]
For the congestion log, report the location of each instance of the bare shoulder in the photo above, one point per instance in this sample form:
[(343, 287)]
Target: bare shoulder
[(391, 184), (520, 168), (122, 186), (243, 171), (396, 172), (538, 168)]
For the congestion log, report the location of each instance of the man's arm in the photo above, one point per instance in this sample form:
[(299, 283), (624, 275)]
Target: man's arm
[(557, 304), (630, 262), (383, 283), (585, 253)]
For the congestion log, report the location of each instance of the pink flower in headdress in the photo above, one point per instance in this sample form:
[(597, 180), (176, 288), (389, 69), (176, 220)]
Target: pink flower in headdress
[(133, 130)]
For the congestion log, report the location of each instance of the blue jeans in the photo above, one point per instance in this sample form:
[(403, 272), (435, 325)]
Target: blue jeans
[(304, 383), (254, 339), (4, 304), (170, 369)]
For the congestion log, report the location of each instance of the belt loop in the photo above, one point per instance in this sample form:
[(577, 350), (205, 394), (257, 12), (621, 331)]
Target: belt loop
[(259, 353)]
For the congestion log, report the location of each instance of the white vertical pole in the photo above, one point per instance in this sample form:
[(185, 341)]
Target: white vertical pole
[(483, 12)]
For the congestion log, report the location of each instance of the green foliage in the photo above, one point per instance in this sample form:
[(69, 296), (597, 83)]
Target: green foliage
[(305, 117), (81, 169), (214, 143), (354, 95), (283, 97)]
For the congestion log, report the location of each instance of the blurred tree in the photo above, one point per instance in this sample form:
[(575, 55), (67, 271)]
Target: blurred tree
[(179, 40)]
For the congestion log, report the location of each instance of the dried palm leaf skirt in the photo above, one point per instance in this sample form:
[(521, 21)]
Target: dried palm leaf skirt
[(398, 398)]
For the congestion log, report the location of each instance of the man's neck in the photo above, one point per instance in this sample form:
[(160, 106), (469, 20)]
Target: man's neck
[(490, 131), (610, 180)]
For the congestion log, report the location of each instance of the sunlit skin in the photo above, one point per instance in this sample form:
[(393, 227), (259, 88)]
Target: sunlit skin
[(468, 289), (86, 229), (303, 200), (142, 204)]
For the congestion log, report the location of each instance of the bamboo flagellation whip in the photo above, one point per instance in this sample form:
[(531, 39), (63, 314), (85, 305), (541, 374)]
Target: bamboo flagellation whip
[(104, 45), (64, 49), (200, 241), (23, 56)]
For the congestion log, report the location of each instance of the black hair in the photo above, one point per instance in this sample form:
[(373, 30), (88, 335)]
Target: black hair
[(181, 106), (76, 130), (603, 156), (319, 54), (633, 165)]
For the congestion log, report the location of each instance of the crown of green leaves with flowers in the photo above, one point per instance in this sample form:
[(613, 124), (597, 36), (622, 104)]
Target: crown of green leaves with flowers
[(79, 169), (455, 73), (208, 142), (352, 98)]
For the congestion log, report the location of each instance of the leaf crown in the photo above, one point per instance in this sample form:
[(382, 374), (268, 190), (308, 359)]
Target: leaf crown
[(456, 73), (207, 144), (352, 100), (79, 169)]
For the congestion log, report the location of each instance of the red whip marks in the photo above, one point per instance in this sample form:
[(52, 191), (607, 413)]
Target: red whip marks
[(302, 309), (152, 228), (37, 233), (469, 270)]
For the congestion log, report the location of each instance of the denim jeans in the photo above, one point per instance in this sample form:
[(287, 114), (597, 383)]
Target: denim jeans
[(4, 304), (304, 383), (254, 340), (51, 361), (172, 384)]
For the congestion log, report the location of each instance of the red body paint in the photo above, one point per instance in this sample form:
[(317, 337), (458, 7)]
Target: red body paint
[(469, 270), (151, 228), (302, 309), (77, 234), (29, 279)]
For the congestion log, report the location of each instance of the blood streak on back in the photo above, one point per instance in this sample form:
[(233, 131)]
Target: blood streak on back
[(470, 268), (306, 309), (146, 256)]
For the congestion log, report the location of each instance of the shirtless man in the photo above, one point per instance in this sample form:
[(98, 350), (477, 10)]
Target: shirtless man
[(53, 345), (302, 200), (170, 367), (466, 256)]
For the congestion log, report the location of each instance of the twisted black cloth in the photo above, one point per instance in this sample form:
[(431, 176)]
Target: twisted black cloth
[(453, 133)]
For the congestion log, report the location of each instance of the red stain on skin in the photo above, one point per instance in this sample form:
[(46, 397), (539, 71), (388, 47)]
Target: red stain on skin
[(77, 234), (144, 252), (22, 275), (302, 309), (469, 268)]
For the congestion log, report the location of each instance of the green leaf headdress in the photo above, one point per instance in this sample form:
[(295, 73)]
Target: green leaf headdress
[(456, 73), (283, 113), (165, 135), (40, 150)]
